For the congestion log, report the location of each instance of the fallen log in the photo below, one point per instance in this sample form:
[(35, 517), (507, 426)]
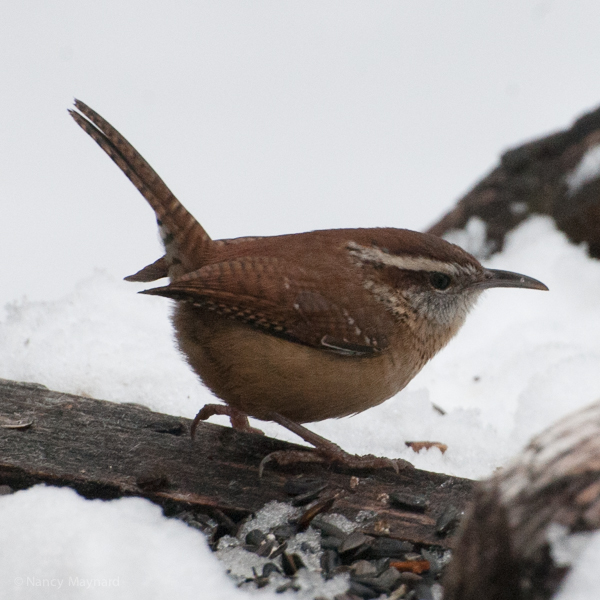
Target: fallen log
[(107, 450), (557, 175), (529, 524)]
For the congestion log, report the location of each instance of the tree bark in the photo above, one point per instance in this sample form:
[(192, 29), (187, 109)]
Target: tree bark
[(107, 450), (514, 541), (547, 176)]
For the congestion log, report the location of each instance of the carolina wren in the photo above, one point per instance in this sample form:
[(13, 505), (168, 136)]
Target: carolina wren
[(303, 327)]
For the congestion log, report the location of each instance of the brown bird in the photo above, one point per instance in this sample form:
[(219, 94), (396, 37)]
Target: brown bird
[(303, 327)]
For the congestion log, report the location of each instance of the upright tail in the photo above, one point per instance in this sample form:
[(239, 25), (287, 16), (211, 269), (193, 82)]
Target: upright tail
[(186, 242)]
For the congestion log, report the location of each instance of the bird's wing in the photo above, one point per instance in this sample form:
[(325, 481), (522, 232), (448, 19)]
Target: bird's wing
[(272, 295)]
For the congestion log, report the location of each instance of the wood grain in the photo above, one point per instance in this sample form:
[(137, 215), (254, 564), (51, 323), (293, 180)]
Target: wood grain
[(108, 450)]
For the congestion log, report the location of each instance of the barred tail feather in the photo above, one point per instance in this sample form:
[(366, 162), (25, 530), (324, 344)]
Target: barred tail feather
[(184, 238)]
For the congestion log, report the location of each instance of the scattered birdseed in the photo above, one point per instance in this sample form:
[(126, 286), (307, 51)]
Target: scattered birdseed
[(331, 560)]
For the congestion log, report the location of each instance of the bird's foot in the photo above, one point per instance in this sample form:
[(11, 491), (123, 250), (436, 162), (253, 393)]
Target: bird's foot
[(325, 452), (239, 420)]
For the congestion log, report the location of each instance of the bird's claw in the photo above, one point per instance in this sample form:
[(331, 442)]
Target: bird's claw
[(238, 419)]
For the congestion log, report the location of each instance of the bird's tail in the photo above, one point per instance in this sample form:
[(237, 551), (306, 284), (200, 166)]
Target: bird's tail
[(185, 240)]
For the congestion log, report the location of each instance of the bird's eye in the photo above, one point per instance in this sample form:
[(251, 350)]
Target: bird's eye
[(440, 281)]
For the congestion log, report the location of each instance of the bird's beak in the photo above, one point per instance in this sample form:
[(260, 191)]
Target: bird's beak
[(495, 278)]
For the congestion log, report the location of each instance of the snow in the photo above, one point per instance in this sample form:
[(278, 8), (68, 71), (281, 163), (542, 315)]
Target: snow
[(242, 564), (270, 118), (523, 359), (587, 170), (472, 238), (566, 548), (583, 582), (56, 545)]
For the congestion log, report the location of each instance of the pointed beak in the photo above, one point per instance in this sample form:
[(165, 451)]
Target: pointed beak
[(495, 278)]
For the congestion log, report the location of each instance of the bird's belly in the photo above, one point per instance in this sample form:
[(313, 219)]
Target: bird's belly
[(258, 373)]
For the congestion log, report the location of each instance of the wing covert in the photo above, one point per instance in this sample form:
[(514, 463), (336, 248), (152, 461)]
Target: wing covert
[(272, 295)]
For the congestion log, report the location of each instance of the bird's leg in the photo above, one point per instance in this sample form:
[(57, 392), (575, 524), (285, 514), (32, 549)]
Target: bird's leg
[(325, 451), (239, 420)]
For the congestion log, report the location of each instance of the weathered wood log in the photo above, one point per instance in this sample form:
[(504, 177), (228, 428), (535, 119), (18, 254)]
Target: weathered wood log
[(546, 176), (513, 544), (107, 450)]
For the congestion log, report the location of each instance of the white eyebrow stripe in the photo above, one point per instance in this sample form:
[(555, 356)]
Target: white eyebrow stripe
[(407, 263)]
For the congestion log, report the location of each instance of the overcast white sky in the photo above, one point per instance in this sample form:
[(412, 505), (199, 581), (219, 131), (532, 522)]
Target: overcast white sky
[(267, 117)]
